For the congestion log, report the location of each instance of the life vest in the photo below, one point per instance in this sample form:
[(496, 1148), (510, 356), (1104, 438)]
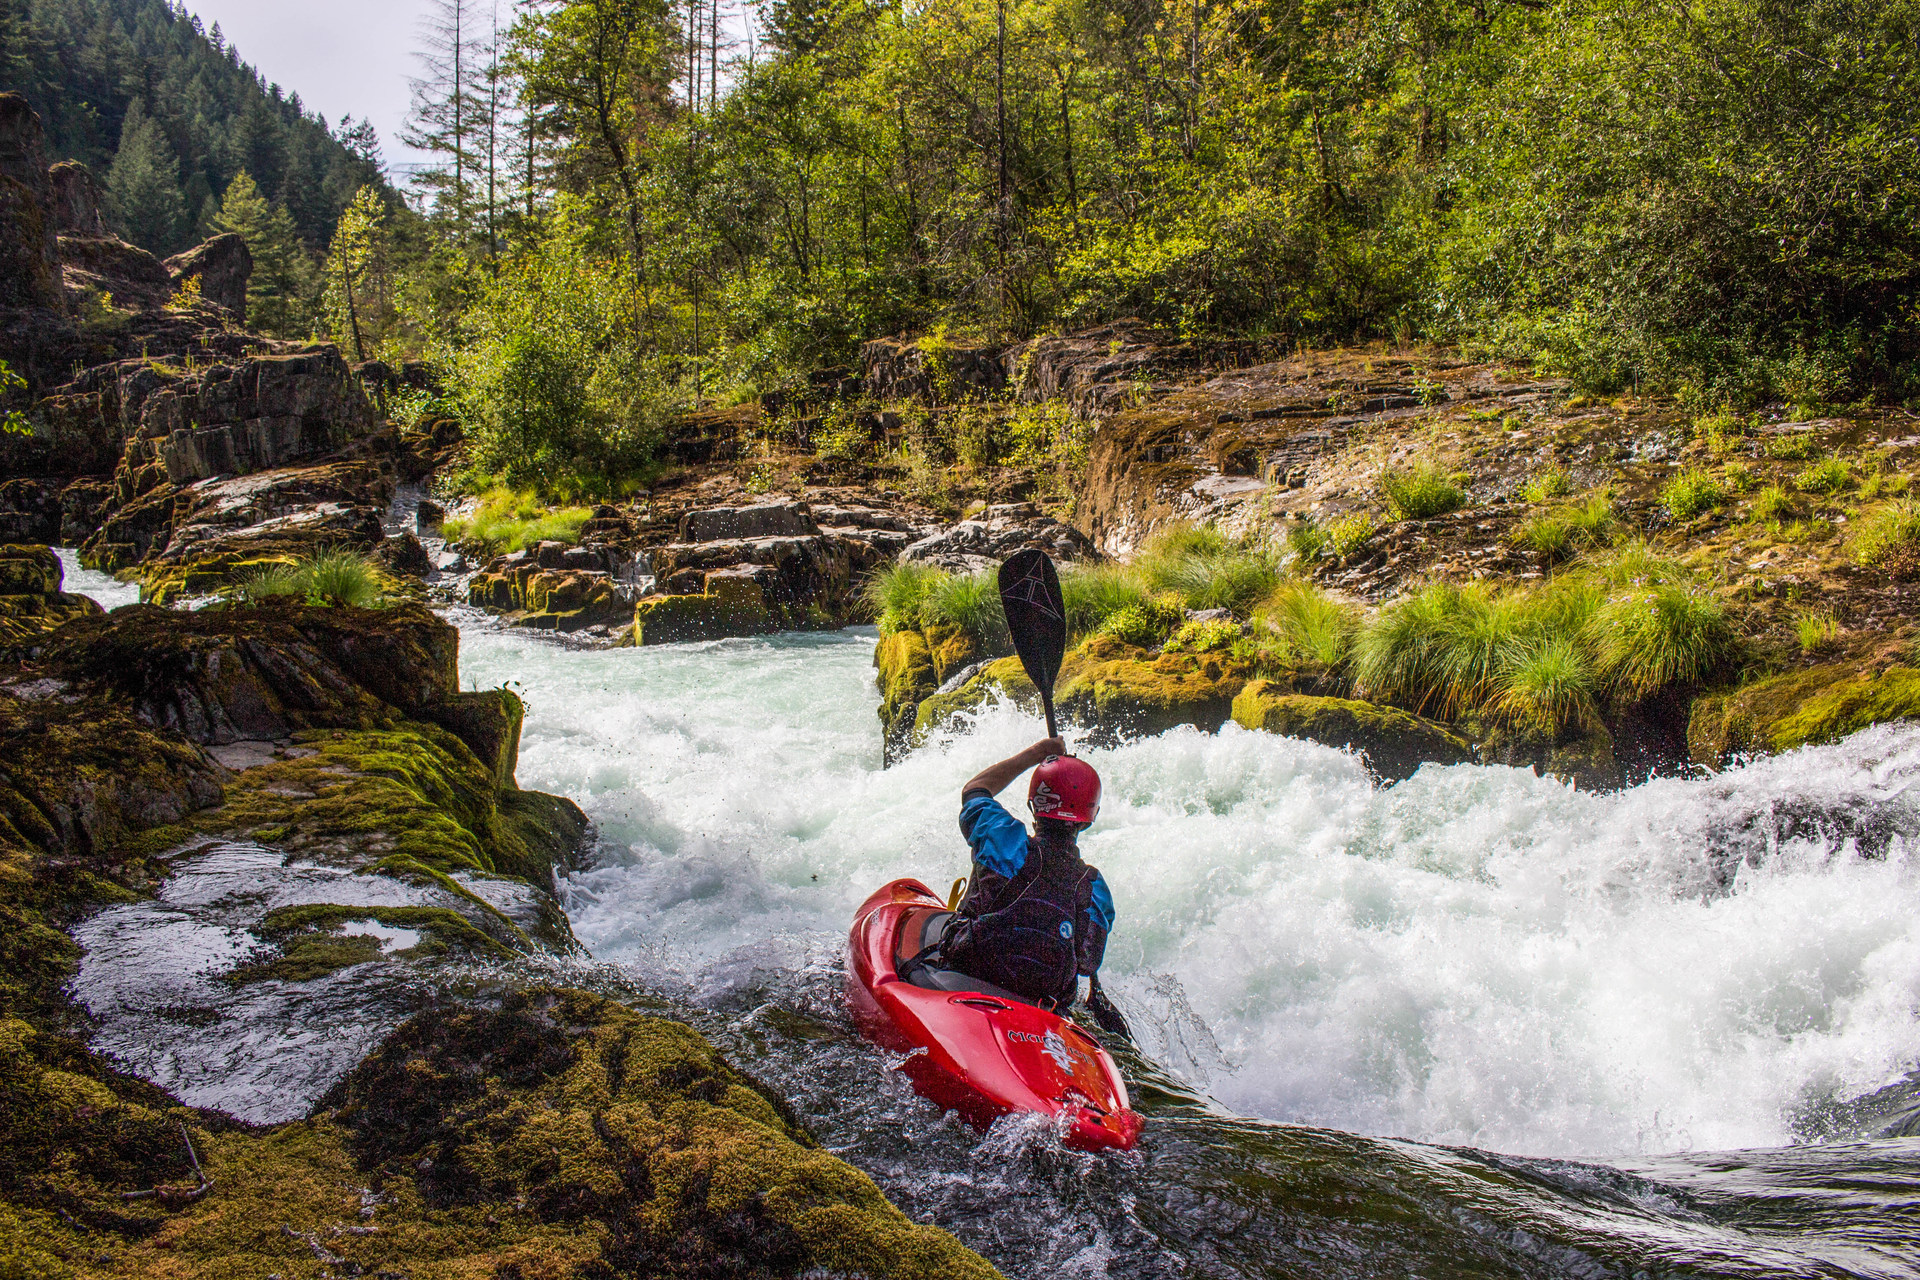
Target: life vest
[(1027, 938)]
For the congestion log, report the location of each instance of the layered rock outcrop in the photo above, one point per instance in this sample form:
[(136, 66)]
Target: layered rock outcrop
[(31, 601)]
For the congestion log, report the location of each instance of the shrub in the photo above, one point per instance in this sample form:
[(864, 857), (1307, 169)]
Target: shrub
[(1094, 594), (1146, 624), (1815, 630), (506, 520), (1308, 541), (1691, 493), (1829, 475), (1213, 636), (1660, 636), (330, 577), (1207, 571), (1420, 491), (1739, 476), (896, 592), (1545, 485), (1312, 625), (1890, 538)]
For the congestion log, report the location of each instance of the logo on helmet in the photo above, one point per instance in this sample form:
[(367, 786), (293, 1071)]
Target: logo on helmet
[(1044, 799)]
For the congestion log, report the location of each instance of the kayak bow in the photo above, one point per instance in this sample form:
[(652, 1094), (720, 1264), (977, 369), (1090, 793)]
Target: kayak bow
[(982, 1052)]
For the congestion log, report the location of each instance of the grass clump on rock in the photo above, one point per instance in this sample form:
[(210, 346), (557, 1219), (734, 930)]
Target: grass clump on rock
[(1890, 539), (1693, 492), (1566, 530), (507, 520), (1543, 486), (1312, 625), (1420, 491), (336, 576), (1207, 570)]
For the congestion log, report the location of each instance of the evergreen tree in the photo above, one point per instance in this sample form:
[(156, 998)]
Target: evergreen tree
[(144, 185), (359, 277), (280, 291)]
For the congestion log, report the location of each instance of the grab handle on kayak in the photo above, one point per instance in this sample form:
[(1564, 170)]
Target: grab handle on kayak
[(953, 894)]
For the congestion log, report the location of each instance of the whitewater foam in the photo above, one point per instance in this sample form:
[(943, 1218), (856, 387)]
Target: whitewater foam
[(1476, 956)]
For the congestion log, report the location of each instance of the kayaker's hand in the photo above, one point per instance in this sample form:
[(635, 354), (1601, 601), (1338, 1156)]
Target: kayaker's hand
[(1047, 747)]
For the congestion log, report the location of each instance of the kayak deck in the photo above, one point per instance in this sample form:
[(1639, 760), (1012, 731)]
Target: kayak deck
[(983, 1053)]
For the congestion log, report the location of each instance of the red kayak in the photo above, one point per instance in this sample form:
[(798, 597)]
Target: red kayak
[(974, 1047)]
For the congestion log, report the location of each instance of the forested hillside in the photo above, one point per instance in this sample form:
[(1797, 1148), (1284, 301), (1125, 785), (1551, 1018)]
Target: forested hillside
[(167, 115)]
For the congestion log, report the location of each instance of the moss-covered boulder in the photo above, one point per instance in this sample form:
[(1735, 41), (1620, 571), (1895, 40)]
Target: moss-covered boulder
[(1395, 743), (1003, 680), (1114, 690), (31, 601), (1581, 755), (731, 605), (547, 599), (906, 675), (1817, 704), (559, 1136)]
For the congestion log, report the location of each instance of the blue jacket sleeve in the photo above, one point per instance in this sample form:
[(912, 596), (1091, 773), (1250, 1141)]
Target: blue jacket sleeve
[(1101, 908), (998, 839)]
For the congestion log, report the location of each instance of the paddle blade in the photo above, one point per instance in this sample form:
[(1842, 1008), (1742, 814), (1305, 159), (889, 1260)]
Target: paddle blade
[(1036, 617)]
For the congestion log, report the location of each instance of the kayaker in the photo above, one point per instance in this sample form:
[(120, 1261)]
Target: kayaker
[(1035, 917)]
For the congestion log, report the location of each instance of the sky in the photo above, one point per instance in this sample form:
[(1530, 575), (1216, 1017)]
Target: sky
[(343, 57)]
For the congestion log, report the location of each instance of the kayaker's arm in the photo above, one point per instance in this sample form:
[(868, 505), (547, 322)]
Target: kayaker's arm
[(994, 778)]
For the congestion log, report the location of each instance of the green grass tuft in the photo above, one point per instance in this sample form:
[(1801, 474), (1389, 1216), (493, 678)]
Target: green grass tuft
[(507, 520), (1692, 493), (1815, 630), (1207, 571), (1829, 475), (1095, 593), (1660, 636), (1548, 685), (1147, 624), (970, 602), (1561, 532), (1890, 538), (1420, 491), (331, 577), (1774, 504), (1313, 626), (896, 592), (1546, 485)]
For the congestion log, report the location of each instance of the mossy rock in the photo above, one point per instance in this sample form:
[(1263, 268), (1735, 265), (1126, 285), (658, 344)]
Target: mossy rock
[(488, 721), (28, 569), (1799, 708), (559, 1136), (25, 618), (317, 939), (1580, 756), (906, 676), (950, 648), (676, 619), (1115, 690), (1394, 742), (1001, 680)]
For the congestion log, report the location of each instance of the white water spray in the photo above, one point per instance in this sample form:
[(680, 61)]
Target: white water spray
[(1475, 956)]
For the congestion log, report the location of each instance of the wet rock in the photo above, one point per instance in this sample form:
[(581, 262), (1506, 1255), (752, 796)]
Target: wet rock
[(1818, 704), (222, 265), (973, 545), (428, 516), (403, 553), (1115, 691), (1394, 742), (31, 602), (765, 520), (732, 603)]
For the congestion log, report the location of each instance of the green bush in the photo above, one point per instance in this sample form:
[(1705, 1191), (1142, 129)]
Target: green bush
[(1350, 533), (1207, 571), (970, 602), (330, 577), (1829, 475), (1634, 564), (1890, 538), (1147, 624), (1420, 491), (1548, 684), (1093, 594), (506, 520), (1664, 635), (1215, 636), (1691, 493), (895, 594), (1312, 625)]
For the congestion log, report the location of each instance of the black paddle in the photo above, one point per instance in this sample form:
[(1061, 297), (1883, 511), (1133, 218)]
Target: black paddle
[(1037, 620)]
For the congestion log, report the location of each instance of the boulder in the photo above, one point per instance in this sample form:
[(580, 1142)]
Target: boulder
[(973, 545), (107, 265), (222, 265), (1817, 704), (30, 510), (31, 602), (764, 520), (404, 553), (733, 604), (807, 569), (1394, 743), (1115, 691), (74, 200)]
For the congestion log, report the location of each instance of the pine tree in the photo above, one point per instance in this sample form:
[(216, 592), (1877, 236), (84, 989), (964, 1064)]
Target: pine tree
[(144, 184), (449, 112), (359, 287), (280, 291)]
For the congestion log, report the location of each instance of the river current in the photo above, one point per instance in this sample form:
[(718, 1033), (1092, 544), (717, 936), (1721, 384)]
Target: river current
[(1479, 1023)]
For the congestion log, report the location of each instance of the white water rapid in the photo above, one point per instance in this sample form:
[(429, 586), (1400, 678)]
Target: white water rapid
[(1477, 956)]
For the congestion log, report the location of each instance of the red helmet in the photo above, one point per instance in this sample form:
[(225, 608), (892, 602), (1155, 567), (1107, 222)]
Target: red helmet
[(1066, 788)]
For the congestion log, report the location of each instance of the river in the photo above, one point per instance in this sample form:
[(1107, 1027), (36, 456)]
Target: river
[(1479, 1023)]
